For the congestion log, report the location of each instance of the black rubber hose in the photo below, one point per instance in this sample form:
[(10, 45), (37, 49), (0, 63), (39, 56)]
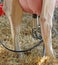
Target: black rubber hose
[(21, 50)]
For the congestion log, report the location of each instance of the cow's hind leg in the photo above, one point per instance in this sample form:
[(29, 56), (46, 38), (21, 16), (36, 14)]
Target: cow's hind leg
[(16, 16), (46, 25)]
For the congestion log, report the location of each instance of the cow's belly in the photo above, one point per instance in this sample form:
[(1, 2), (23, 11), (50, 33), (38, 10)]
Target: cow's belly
[(31, 6)]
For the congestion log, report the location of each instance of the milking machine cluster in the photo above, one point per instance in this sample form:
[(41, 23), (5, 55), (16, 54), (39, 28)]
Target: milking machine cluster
[(36, 34), (36, 31)]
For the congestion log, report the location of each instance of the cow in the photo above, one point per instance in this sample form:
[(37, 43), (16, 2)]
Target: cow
[(14, 12)]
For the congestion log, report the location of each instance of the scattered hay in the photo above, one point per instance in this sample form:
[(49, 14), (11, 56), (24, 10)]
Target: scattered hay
[(30, 58)]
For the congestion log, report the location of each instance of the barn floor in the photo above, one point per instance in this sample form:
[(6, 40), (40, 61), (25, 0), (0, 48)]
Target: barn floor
[(30, 58)]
